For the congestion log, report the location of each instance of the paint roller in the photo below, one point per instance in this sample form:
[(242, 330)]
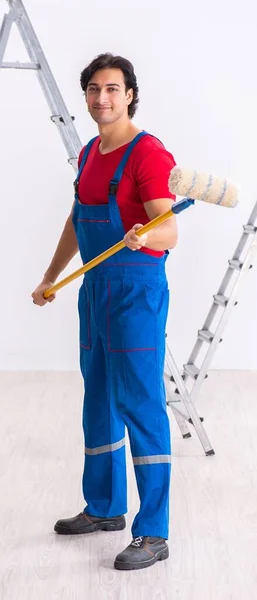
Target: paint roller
[(182, 182), (203, 187)]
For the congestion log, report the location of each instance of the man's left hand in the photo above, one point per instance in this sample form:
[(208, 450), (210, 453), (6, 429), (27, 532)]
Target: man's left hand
[(134, 241)]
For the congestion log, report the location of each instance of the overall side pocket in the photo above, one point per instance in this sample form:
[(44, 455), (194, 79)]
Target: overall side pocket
[(84, 317)]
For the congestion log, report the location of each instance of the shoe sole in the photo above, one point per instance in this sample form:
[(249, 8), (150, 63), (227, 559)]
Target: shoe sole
[(104, 526), (122, 566)]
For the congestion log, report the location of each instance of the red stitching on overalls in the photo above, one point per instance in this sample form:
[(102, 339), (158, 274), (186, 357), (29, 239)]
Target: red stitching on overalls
[(88, 322), (94, 220), (88, 326), (108, 316), (129, 264), (108, 329), (133, 350)]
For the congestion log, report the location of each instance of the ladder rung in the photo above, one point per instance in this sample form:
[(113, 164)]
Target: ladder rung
[(73, 162), (171, 378), (191, 370), (250, 228), (19, 65), (57, 119), (235, 264), (205, 335), (220, 299), (174, 397)]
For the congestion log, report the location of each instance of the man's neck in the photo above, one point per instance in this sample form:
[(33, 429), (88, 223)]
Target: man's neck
[(115, 135)]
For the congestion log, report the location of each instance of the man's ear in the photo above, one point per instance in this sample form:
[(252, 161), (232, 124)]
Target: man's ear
[(130, 96)]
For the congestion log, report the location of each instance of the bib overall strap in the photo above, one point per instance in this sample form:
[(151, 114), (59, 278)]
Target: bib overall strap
[(83, 162), (114, 183)]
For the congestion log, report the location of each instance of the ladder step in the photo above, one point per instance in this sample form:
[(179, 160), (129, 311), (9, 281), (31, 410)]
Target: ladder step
[(205, 335), (220, 299), (19, 65), (57, 119), (235, 264), (191, 370), (250, 228), (171, 378), (73, 162), (173, 398), (191, 422)]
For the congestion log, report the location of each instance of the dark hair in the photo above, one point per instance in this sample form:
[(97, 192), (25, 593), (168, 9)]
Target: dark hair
[(109, 61)]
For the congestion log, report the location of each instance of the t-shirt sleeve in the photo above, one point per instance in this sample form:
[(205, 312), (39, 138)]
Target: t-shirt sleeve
[(152, 175)]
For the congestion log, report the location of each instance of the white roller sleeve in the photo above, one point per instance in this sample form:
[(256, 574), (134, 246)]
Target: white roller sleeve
[(202, 186)]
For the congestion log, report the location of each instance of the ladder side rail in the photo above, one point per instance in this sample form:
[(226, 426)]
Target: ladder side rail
[(224, 319), (5, 30)]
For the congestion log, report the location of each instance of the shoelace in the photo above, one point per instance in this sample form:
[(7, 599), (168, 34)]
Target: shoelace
[(137, 541)]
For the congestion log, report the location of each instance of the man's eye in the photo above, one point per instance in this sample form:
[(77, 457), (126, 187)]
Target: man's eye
[(112, 89)]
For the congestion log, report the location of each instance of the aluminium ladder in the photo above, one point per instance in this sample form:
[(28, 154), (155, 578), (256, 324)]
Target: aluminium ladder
[(222, 306), (60, 115)]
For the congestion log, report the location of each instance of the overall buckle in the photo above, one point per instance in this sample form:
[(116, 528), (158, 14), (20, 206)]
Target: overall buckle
[(76, 186), (113, 187)]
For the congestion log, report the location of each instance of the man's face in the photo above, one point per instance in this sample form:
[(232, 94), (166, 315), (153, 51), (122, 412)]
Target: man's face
[(106, 96)]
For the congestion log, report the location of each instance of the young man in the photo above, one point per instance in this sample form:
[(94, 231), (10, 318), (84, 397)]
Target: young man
[(122, 183)]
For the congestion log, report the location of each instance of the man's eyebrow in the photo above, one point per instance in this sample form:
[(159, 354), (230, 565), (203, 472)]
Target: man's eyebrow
[(106, 84)]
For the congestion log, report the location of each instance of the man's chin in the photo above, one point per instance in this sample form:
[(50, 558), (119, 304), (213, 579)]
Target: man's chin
[(104, 120)]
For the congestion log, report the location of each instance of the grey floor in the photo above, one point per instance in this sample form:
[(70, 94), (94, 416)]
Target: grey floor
[(213, 538)]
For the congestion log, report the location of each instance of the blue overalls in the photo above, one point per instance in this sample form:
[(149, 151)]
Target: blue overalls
[(123, 305)]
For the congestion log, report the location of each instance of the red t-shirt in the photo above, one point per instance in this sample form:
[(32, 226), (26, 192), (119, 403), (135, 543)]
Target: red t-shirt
[(144, 178)]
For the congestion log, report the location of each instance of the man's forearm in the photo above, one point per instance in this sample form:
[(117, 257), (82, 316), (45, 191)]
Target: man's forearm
[(164, 236), (66, 249)]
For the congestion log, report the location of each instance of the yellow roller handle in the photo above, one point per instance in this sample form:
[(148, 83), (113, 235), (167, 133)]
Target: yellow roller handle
[(98, 259)]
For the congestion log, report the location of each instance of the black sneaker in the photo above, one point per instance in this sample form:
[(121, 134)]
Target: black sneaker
[(84, 523), (141, 553)]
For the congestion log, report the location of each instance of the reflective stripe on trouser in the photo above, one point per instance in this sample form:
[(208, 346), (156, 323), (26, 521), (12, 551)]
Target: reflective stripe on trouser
[(123, 373), (106, 448)]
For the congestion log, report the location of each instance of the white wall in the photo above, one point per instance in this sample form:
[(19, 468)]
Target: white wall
[(196, 68)]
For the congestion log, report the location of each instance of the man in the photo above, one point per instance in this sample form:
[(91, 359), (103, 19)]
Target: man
[(122, 183)]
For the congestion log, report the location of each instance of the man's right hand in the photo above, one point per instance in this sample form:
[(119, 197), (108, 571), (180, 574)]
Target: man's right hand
[(38, 294)]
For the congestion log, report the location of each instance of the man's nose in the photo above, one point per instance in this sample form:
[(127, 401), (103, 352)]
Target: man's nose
[(102, 96)]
